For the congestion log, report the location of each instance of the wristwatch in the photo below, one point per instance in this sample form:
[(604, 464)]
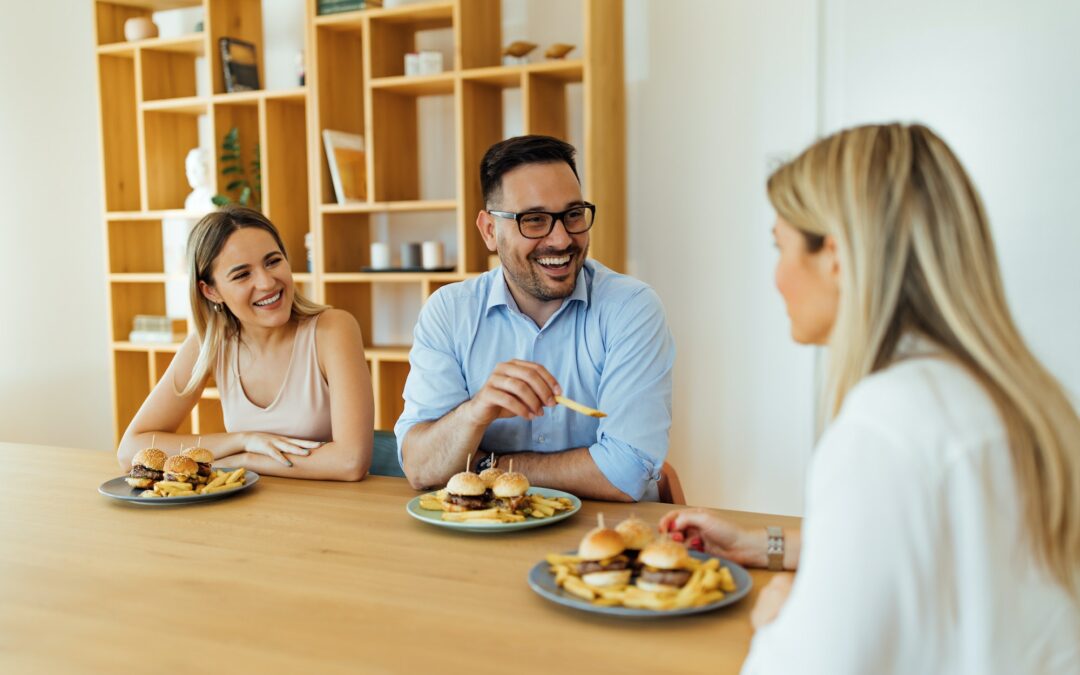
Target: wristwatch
[(775, 548), (486, 462)]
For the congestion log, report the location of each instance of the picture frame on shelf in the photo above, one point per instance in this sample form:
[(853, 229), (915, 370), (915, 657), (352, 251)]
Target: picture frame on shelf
[(239, 65), (348, 165)]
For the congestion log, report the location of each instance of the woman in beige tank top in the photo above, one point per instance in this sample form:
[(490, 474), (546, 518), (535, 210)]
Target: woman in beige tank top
[(294, 385)]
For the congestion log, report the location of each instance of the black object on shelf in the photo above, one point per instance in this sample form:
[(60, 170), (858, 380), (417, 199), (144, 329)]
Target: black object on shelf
[(451, 268), (239, 65)]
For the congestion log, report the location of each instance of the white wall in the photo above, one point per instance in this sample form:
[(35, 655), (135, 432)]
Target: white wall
[(716, 92), (54, 372)]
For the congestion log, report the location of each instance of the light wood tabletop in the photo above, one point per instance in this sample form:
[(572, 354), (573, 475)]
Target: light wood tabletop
[(305, 576)]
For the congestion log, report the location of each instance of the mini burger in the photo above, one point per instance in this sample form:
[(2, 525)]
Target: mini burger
[(465, 492), (146, 468), (181, 469), (664, 566), (204, 458), (602, 560), (490, 475), (510, 491), (636, 534)]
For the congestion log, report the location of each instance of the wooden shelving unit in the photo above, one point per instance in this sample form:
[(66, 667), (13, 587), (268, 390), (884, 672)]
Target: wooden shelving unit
[(150, 113)]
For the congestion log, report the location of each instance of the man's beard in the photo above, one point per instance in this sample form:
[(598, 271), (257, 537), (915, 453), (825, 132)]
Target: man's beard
[(526, 277)]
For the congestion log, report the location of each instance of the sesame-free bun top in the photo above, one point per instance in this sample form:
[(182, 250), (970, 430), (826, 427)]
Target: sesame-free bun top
[(511, 484), (636, 533), (178, 465), (664, 554), (490, 474), (466, 484), (201, 455), (151, 458), (600, 543)]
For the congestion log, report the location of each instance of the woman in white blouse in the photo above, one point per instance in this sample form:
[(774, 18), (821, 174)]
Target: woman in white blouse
[(942, 521)]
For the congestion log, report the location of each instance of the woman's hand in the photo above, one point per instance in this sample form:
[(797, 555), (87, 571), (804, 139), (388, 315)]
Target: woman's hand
[(705, 531), (771, 600), (276, 447)]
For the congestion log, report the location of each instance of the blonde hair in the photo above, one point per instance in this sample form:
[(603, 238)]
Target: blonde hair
[(917, 256), (214, 326)]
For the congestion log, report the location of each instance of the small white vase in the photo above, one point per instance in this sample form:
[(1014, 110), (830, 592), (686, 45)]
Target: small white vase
[(139, 28)]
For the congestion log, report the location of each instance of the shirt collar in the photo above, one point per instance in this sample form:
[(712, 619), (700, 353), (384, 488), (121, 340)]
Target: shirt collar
[(499, 293)]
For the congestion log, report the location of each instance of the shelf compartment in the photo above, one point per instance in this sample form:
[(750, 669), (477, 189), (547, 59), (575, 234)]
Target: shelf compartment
[(166, 74), (135, 246), (244, 117), (340, 103), (169, 138), (353, 298), (345, 242), (404, 155), (478, 33), (119, 133), (129, 299), (390, 377), (159, 364), (393, 33), (109, 17), (239, 19), (283, 129), (391, 207), (131, 374)]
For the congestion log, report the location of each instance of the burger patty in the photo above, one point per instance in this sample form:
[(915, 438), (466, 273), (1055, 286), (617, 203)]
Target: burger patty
[(140, 471), (666, 577), (477, 502), (590, 566), (204, 469)]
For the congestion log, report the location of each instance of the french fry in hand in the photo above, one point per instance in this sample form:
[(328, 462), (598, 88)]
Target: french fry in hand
[(579, 408)]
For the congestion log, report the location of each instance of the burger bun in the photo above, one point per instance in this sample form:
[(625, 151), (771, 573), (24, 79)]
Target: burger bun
[(466, 484), (607, 578), (600, 543)]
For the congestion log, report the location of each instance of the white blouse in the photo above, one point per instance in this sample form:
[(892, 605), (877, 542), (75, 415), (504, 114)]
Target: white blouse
[(914, 555)]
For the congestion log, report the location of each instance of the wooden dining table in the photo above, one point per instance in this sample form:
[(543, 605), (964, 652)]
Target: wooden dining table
[(307, 576)]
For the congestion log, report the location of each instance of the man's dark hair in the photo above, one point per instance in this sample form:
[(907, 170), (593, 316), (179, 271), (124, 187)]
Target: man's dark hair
[(508, 155)]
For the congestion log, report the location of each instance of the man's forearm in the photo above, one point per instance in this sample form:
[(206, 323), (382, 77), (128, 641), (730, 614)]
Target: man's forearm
[(573, 471), (434, 451)]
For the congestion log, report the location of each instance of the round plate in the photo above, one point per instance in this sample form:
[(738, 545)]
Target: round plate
[(543, 582), (118, 489), (435, 517)]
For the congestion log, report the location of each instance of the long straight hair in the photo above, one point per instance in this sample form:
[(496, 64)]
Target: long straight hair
[(917, 256), (215, 324)]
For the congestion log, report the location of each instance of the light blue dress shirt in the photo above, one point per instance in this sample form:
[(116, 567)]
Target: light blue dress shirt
[(608, 346)]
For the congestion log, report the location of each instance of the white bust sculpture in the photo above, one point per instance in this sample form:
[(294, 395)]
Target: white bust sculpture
[(198, 175)]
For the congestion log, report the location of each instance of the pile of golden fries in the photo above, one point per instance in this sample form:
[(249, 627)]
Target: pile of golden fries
[(539, 507), (220, 481), (708, 583)]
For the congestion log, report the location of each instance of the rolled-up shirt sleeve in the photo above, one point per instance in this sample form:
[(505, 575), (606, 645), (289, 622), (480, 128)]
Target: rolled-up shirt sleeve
[(436, 384), (635, 392)]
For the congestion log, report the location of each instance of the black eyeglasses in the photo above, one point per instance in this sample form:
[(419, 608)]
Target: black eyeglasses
[(539, 224)]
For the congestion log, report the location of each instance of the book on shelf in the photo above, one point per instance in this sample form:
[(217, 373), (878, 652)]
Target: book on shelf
[(157, 329), (348, 166), (338, 6), (239, 66)]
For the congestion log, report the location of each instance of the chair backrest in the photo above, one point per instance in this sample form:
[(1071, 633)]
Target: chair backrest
[(669, 487), (384, 460)]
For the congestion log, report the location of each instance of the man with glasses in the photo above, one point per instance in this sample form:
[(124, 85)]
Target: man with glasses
[(490, 354)]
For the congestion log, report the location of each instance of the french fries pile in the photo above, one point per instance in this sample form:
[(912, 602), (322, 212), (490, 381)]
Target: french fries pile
[(539, 507), (220, 482), (708, 583)]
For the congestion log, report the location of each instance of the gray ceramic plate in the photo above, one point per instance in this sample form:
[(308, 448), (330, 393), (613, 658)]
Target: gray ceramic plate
[(118, 489), (543, 582), (435, 517)]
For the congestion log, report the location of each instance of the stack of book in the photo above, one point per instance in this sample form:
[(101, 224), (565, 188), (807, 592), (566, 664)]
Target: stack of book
[(336, 6), (148, 328)]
